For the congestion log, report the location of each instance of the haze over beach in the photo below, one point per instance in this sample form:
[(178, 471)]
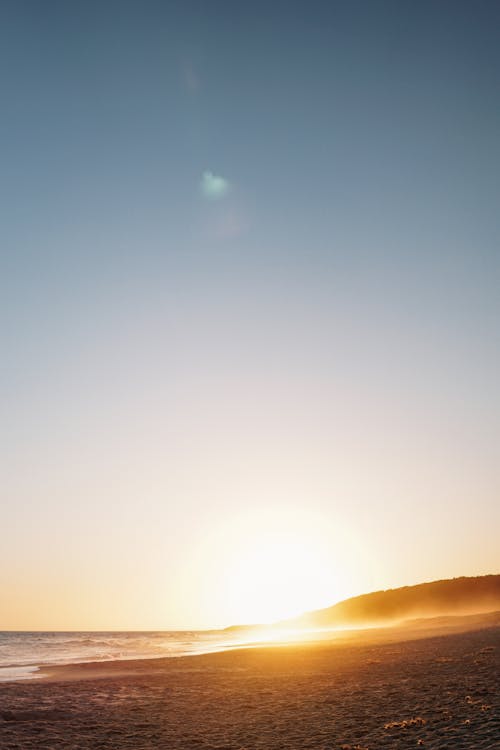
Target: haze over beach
[(250, 305)]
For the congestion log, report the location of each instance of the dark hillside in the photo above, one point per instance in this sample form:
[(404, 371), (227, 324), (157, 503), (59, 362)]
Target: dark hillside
[(455, 596)]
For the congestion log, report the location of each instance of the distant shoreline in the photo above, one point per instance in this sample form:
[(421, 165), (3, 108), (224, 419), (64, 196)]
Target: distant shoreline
[(414, 630)]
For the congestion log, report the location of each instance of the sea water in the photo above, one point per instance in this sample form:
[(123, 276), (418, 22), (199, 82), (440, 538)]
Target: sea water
[(22, 654)]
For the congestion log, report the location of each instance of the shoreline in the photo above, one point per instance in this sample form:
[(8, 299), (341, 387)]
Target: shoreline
[(408, 631), (353, 639)]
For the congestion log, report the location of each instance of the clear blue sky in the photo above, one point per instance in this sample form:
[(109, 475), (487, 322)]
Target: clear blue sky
[(249, 257)]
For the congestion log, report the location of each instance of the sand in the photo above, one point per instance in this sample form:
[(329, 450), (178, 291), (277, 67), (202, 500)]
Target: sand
[(434, 692)]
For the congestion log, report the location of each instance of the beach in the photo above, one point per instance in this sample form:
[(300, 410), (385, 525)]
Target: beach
[(401, 691)]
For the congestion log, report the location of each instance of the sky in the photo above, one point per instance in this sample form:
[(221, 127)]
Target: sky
[(249, 305)]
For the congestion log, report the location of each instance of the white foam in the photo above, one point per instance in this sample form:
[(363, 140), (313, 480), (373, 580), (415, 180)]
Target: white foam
[(7, 674)]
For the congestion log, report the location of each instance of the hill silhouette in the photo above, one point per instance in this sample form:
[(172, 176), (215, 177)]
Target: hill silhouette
[(456, 596)]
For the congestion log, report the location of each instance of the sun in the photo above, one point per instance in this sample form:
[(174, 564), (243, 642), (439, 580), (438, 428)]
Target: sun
[(270, 563), (277, 573), (267, 566)]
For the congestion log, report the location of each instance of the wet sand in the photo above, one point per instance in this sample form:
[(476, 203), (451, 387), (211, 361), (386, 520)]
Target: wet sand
[(431, 692)]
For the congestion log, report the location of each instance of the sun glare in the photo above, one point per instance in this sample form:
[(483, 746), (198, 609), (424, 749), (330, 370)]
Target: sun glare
[(276, 575), (265, 566)]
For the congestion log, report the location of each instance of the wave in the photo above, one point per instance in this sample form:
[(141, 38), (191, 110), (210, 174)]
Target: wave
[(22, 654)]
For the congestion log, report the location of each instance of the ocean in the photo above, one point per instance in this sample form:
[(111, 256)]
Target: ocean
[(22, 654)]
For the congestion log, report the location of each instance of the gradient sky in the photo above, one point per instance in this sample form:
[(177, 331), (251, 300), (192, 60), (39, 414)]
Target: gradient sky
[(249, 271)]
